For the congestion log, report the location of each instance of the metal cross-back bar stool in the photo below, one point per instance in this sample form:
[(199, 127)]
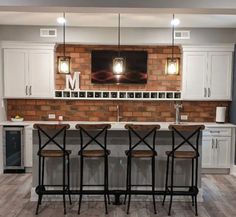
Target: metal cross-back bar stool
[(141, 133), (94, 133), (49, 133), (189, 136)]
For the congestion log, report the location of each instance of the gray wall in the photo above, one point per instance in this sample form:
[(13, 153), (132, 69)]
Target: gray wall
[(135, 36)]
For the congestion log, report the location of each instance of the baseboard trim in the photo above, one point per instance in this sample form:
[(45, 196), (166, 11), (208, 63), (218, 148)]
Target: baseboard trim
[(215, 171)]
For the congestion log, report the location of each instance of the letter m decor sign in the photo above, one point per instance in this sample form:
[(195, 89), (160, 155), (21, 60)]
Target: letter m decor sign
[(72, 81)]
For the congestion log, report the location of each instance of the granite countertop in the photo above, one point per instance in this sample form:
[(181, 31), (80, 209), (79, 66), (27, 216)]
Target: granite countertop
[(115, 125)]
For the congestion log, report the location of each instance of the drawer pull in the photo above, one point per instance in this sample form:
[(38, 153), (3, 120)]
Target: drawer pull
[(214, 131)]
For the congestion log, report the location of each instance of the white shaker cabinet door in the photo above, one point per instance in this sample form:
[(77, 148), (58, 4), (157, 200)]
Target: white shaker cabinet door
[(15, 73), (194, 75), (223, 145), (41, 73), (208, 153), (220, 72)]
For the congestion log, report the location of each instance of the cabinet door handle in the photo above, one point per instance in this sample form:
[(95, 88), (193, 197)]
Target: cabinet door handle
[(209, 92), (26, 90), (216, 143), (214, 131), (212, 143), (205, 92), (30, 90)]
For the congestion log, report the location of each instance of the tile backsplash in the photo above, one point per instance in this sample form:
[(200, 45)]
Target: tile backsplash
[(74, 110)]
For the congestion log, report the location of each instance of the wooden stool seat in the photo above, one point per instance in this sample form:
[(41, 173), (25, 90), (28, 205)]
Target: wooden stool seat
[(183, 154), (141, 153), (54, 153), (94, 153)]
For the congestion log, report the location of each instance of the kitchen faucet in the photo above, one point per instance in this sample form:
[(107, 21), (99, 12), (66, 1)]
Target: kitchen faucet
[(177, 112), (118, 113)]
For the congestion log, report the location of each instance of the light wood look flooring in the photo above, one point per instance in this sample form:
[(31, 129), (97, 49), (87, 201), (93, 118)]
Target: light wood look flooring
[(219, 194)]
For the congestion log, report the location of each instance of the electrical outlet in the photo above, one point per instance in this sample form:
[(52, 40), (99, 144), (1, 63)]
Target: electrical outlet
[(51, 116), (184, 117)]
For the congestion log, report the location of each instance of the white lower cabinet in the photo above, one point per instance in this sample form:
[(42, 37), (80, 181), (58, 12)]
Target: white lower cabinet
[(216, 149), (28, 147)]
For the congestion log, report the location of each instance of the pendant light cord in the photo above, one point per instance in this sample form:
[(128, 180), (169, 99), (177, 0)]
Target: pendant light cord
[(64, 35), (119, 35), (173, 36)]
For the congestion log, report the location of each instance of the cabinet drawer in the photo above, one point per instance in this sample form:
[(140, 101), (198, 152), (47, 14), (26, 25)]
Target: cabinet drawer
[(217, 132)]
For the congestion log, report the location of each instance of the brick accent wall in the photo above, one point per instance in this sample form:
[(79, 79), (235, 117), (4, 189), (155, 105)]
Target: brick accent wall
[(84, 110), (157, 80)]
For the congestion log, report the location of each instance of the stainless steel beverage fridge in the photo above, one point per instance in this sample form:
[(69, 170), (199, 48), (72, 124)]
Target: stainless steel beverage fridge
[(13, 149)]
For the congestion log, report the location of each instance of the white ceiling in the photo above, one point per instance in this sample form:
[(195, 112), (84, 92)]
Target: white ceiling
[(127, 20)]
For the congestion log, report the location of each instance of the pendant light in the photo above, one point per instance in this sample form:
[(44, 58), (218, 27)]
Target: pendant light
[(172, 64), (63, 61), (118, 62)]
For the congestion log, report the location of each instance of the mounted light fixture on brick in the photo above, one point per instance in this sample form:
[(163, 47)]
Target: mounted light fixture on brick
[(63, 62)]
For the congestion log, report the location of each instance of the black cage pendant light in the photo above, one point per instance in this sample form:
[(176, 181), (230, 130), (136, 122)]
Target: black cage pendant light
[(118, 62), (64, 61), (172, 65)]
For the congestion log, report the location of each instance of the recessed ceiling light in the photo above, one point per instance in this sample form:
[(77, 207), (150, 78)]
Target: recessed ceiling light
[(175, 22), (61, 20)]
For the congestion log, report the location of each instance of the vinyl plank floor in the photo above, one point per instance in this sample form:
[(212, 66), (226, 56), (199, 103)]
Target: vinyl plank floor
[(219, 200)]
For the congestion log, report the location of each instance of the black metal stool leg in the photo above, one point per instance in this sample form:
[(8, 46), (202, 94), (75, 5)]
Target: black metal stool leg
[(107, 181), (81, 183), (196, 182), (167, 177), (171, 184), (196, 211), (42, 181), (68, 178), (105, 185), (64, 184), (129, 186), (38, 203), (127, 179), (192, 181), (153, 184)]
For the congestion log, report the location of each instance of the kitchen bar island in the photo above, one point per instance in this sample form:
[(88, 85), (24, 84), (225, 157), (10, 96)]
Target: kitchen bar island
[(117, 142)]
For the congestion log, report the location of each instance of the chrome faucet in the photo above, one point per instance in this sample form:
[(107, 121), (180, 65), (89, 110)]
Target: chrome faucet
[(177, 112), (118, 113)]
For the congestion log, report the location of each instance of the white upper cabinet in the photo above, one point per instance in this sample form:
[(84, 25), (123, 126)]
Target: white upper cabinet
[(220, 74), (28, 70), (207, 72), (15, 72), (41, 79), (194, 76)]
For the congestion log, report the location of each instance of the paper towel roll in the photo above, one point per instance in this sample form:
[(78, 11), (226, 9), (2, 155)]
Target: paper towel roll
[(220, 114)]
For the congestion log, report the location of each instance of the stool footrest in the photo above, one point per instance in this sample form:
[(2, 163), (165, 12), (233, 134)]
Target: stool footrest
[(192, 190)]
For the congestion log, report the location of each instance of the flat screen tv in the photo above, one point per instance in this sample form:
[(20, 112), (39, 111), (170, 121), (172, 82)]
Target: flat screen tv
[(135, 67)]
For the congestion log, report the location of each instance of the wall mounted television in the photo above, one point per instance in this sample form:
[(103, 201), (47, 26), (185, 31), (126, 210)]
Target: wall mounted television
[(135, 67)]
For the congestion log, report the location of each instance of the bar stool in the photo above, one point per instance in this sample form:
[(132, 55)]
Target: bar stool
[(139, 134), (187, 135), (49, 133), (92, 134)]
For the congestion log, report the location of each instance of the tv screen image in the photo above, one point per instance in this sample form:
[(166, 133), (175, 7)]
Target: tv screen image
[(135, 67)]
